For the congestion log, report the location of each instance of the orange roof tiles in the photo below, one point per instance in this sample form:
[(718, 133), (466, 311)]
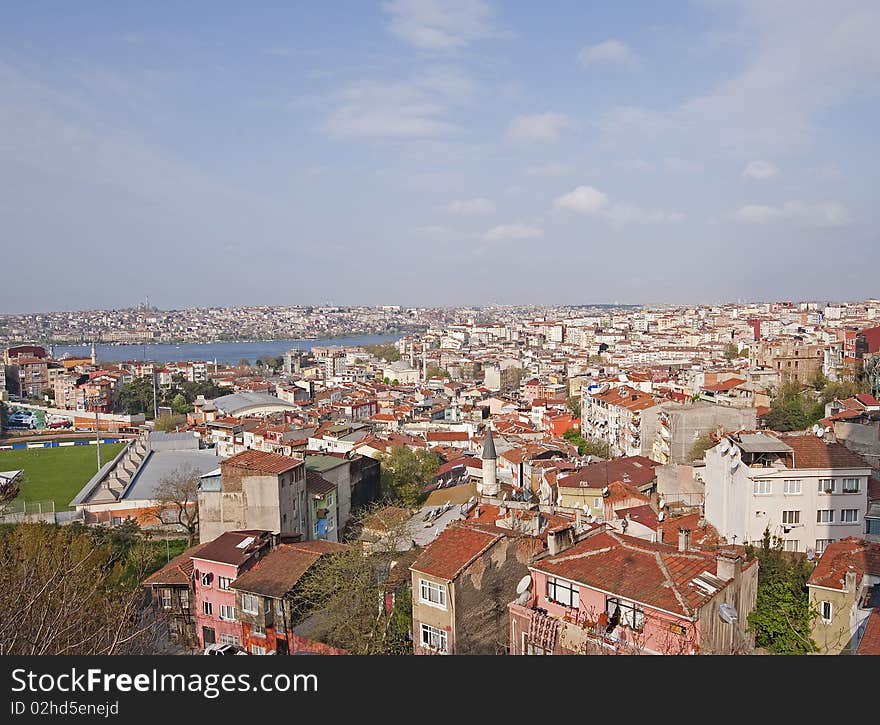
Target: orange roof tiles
[(870, 644), (813, 452), (653, 574), (456, 547), (262, 462), (849, 554)]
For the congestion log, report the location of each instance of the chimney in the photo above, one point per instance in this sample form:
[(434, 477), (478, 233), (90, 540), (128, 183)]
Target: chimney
[(684, 539), (659, 533), (729, 564), (560, 540), (850, 581)]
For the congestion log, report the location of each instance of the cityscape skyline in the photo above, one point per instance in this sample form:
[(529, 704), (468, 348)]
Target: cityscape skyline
[(689, 153)]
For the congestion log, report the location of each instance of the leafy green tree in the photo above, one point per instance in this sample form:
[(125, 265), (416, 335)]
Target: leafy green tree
[(793, 409), (179, 404), (819, 381), (731, 351), (167, 423), (587, 446), (701, 445), (435, 372), (244, 363), (511, 378), (574, 405), (843, 389), (404, 474), (395, 382), (386, 351), (782, 617)]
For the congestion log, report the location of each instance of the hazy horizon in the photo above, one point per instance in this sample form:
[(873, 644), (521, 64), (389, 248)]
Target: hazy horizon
[(455, 153)]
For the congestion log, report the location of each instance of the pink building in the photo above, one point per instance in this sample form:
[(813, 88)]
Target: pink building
[(611, 593), (215, 567)]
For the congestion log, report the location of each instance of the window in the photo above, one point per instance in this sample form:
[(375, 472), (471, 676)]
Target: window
[(789, 545), (850, 485), (227, 612), (791, 517), (825, 516), (207, 608), (259, 629), (223, 582), (533, 649), (620, 611), (206, 579), (826, 485), (257, 650), (279, 608), (432, 593), (184, 598), (229, 639), (827, 612), (822, 544), (562, 592), (433, 638), (165, 595), (791, 486), (762, 488), (597, 502), (849, 516), (250, 603)]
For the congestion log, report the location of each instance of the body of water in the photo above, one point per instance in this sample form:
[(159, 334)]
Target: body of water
[(223, 352)]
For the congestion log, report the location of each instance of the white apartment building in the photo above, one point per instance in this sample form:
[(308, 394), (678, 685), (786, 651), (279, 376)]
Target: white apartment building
[(807, 492), (613, 415)]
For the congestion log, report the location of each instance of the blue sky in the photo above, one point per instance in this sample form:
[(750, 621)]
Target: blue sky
[(438, 153)]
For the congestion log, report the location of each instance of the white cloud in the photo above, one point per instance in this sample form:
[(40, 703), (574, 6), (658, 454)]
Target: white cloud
[(583, 200), (682, 166), (823, 214), (760, 169), (551, 169), (589, 200), (609, 51), (771, 104), (517, 230), (417, 108), (539, 126), (471, 206), (439, 24)]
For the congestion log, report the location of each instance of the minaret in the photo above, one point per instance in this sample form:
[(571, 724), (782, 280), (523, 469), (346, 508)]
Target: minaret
[(94, 354), (424, 364), (489, 485)]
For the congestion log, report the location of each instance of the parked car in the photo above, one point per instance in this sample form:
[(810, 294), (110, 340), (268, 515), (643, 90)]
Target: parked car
[(224, 649), (60, 424)]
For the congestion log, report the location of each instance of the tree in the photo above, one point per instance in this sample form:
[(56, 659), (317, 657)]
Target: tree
[(244, 363), (434, 372), (167, 423), (782, 617), (511, 378), (792, 409), (574, 405), (588, 446), (342, 596), (179, 404), (701, 445), (387, 351), (135, 397), (731, 350), (404, 474), (177, 496), (64, 593)]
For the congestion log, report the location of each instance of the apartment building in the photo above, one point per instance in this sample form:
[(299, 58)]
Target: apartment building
[(808, 493), (614, 416)]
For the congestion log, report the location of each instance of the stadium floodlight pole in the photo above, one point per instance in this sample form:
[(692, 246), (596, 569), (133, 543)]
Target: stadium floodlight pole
[(155, 409), (97, 435)]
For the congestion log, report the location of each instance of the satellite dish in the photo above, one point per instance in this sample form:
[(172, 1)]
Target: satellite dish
[(504, 496), (472, 499), (662, 502), (734, 465), (725, 447), (728, 613), (816, 428), (819, 433), (606, 491), (827, 430), (524, 584), (661, 516), (586, 508)]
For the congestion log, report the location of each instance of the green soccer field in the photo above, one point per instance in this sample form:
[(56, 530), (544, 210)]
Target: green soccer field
[(56, 473)]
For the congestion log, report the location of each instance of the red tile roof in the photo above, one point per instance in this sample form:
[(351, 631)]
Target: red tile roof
[(281, 569), (317, 484), (702, 537), (639, 470), (813, 452), (870, 644), (849, 554), (262, 462), (644, 515), (456, 547), (225, 548), (178, 570), (655, 575)]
